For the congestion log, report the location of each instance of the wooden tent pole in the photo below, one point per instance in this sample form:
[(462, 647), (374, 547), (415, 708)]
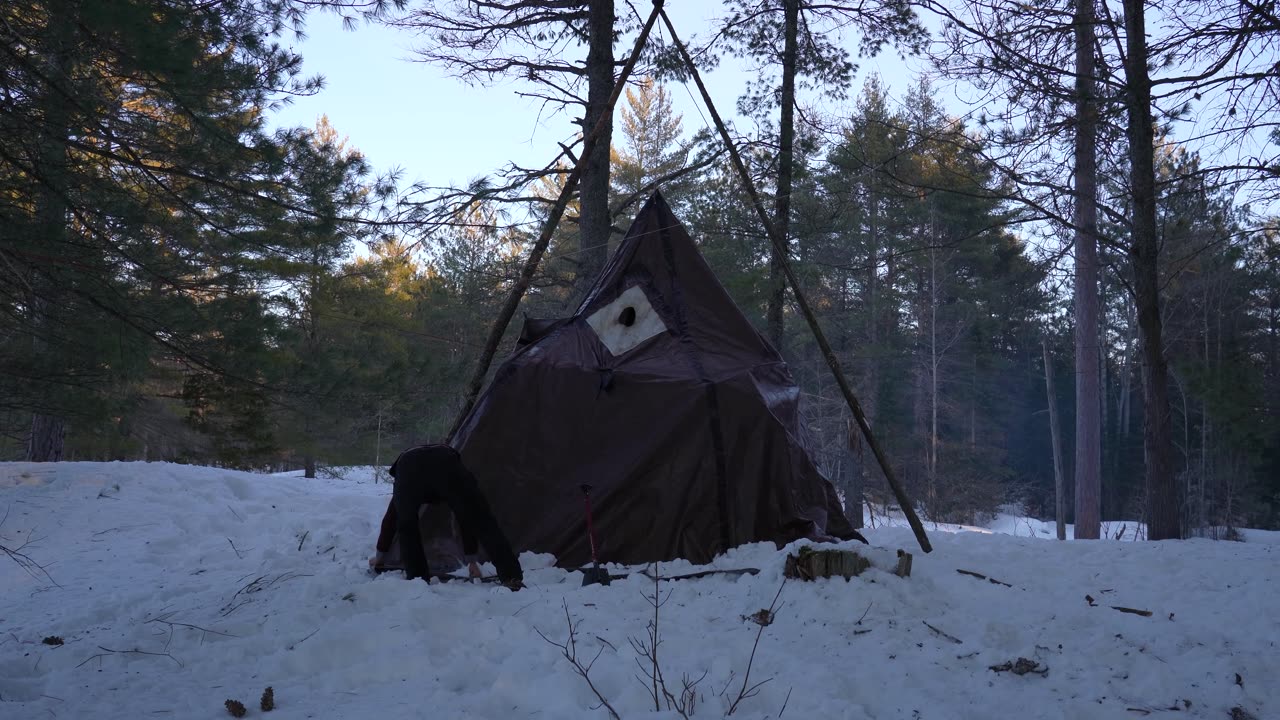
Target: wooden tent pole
[(553, 220), (779, 244)]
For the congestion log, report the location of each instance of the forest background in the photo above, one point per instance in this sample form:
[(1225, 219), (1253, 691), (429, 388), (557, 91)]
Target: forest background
[(1061, 204)]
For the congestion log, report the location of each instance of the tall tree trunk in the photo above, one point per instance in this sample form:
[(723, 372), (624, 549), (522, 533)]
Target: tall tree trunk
[(45, 444), (973, 401), (309, 416), (786, 146), (1059, 482), (377, 449), (854, 472), (933, 371), (1126, 374), (1163, 501), (872, 377), (48, 431), (594, 223), (1088, 515)]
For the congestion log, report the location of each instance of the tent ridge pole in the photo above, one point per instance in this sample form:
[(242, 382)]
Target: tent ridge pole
[(521, 286), (827, 352)]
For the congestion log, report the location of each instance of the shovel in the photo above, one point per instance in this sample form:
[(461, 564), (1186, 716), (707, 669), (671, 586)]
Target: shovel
[(594, 575)]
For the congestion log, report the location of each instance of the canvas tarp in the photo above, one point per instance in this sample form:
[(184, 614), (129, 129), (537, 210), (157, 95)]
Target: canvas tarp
[(659, 394)]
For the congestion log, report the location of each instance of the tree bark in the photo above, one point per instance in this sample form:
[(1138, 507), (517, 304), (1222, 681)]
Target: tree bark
[(1059, 482), (48, 431), (1088, 467), (786, 162), (854, 473), (1163, 501), (933, 376), (1126, 375), (45, 444), (594, 222)]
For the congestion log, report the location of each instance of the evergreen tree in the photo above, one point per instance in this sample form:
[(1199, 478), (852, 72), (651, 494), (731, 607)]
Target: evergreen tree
[(134, 153), (533, 40), (653, 155), (791, 43), (933, 300)]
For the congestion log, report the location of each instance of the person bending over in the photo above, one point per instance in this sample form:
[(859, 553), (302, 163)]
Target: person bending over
[(435, 474)]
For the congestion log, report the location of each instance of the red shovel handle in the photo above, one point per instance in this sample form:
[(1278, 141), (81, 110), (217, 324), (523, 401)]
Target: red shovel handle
[(591, 533)]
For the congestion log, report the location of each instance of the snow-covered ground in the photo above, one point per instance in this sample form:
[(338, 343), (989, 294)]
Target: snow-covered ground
[(176, 588)]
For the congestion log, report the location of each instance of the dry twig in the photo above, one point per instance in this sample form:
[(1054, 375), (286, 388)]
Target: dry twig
[(764, 619), (258, 584), (942, 634), (108, 651), (24, 561), (647, 648), (164, 620), (569, 648), (980, 576), (1132, 611)]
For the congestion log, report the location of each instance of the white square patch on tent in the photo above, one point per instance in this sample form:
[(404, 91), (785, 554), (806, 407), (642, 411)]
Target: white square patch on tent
[(626, 322)]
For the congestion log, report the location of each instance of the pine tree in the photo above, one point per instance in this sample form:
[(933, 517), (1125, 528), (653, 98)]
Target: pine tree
[(653, 154), (530, 40), (134, 150), (799, 42)]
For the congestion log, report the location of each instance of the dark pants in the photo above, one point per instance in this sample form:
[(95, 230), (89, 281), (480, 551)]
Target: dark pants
[(433, 474)]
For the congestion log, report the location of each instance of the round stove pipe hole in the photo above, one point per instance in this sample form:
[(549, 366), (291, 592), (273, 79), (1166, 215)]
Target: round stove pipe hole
[(627, 317)]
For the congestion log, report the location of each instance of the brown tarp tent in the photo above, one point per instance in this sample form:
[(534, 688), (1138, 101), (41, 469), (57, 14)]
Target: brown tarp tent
[(659, 394)]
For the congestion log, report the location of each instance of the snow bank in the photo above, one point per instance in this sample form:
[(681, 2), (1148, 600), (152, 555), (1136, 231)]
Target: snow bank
[(179, 587)]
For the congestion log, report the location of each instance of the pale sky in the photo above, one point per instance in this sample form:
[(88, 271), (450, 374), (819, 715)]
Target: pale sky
[(411, 115)]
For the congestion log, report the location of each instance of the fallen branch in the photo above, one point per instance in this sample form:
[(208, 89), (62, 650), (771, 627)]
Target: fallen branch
[(696, 575), (303, 540), (1022, 666), (258, 584), (308, 637), (942, 634), (28, 565), (1132, 611), (864, 614), (122, 528), (108, 651), (860, 619), (237, 551), (980, 576), (24, 561), (164, 620), (1176, 707)]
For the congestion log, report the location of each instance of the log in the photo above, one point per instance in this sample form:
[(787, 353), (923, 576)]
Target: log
[(811, 564)]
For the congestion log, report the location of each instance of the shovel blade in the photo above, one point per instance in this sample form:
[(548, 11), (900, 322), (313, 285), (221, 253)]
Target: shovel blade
[(595, 576)]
